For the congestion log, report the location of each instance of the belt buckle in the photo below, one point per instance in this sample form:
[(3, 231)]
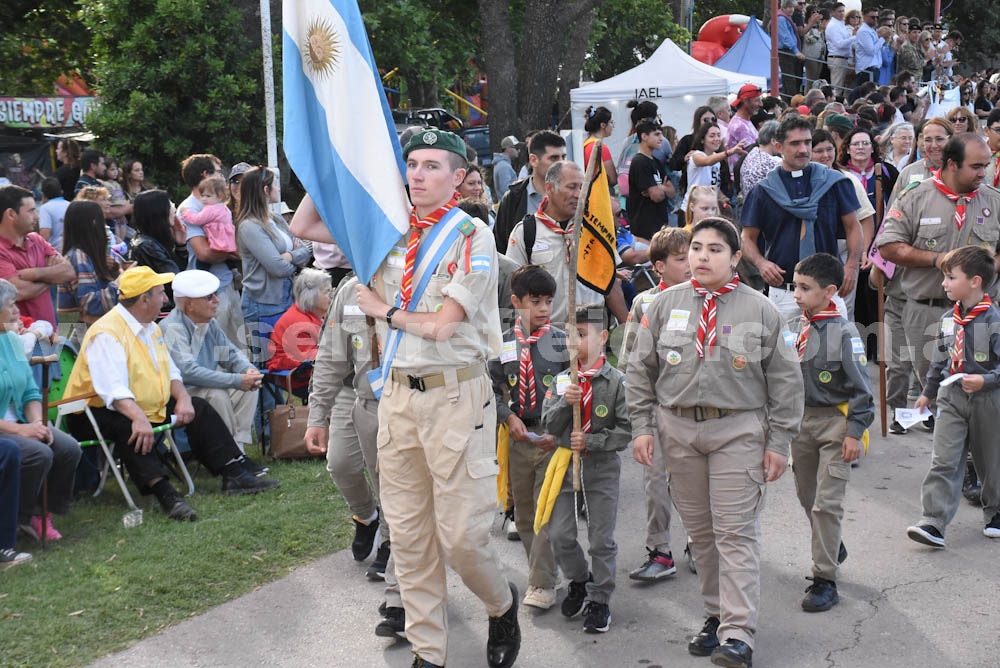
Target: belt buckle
[(417, 383), (699, 414)]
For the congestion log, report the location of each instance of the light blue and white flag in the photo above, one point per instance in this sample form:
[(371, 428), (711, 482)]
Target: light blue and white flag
[(339, 135)]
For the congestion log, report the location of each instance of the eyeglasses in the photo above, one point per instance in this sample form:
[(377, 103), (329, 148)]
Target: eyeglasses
[(710, 119), (959, 119), (994, 128), (860, 144)]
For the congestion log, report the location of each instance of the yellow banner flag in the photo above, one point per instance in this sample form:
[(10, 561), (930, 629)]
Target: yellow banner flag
[(597, 256)]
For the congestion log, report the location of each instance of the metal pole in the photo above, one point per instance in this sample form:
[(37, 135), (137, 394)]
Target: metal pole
[(265, 41), (774, 49)]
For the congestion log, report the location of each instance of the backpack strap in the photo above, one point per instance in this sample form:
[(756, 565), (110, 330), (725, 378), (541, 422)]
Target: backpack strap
[(530, 234)]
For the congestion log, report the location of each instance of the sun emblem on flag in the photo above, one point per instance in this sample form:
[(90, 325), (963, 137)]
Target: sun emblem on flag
[(322, 48)]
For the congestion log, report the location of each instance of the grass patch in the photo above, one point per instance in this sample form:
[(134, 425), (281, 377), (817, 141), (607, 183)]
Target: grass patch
[(104, 587)]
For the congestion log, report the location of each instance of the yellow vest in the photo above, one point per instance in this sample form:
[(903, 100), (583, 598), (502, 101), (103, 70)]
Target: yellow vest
[(148, 382)]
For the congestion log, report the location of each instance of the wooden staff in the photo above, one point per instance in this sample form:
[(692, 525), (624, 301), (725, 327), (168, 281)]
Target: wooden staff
[(880, 285), (574, 351)]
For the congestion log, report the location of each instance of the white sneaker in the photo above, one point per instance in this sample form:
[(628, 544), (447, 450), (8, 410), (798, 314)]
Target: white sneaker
[(539, 597)]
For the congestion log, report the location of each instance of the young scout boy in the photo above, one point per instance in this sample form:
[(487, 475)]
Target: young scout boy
[(969, 347), (838, 409), (533, 353), (438, 476), (605, 431), (668, 253)]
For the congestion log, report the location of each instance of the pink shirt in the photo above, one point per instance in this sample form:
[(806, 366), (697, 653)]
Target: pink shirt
[(34, 254)]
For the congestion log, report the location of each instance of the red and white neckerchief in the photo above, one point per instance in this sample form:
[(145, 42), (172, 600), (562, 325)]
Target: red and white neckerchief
[(549, 222), (588, 392), (863, 174), (706, 324), (800, 343), (960, 200), (416, 226), (527, 397), (958, 356), (996, 170)]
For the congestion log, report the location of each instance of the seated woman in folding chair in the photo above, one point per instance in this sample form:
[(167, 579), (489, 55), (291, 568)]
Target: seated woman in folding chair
[(133, 385), (295, 338), (46, 453)]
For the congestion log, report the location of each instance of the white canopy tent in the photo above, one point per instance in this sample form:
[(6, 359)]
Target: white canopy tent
[(672, 79)]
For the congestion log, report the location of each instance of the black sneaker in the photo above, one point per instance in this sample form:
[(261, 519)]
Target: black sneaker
[(393, 625), (896, 428), (707, 639), (377, 569), (820, 596), (597, 617), (842, 554), (992, 530), (364, 537), (176, 508), (253, 468), (733, 654), (11, 557), (972, 489), (926, 534), (245, 483), (504, 641), (928, 424), (577, 594), (658, 565)]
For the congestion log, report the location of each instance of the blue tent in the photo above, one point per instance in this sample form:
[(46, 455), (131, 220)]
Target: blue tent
[(751, 54)]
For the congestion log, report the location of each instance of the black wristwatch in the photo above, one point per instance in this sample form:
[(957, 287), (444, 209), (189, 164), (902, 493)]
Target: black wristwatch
[(388, 316)]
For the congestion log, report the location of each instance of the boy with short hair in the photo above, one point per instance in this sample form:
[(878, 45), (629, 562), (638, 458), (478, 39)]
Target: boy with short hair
[(605, 430), (968, 346), (668, 253), (533, 352), (838, 409)]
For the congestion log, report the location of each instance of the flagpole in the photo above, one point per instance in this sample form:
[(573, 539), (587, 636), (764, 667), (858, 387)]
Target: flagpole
[(574, 344)]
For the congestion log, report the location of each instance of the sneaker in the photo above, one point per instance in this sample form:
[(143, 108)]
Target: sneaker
[(577, 594), (540, 597), (820, 596), (49, 531), (926, 534), (376, 571), (11, 557), (513, 536), (896, 428), (692, 566), (253, 468), (707, 639), (393, 625), (245, 483), (992, 530), (928, 424), (176, 508), (504, 640), (364, 537), (659, 565), (598, 618)]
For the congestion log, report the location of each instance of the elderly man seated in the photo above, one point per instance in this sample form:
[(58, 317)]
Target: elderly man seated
[(133, 385), (211, 366)]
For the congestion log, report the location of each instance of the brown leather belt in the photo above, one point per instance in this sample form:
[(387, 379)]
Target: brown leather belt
[(432, 380), (702, 413)]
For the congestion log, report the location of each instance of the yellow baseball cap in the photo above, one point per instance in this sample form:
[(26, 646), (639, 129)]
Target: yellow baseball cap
[(138, 280)]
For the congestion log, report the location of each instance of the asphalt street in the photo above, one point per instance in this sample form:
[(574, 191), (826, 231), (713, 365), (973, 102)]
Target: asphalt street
[(902, 604)]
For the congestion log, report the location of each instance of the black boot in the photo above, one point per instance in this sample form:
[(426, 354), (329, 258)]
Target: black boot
[(505, 636)]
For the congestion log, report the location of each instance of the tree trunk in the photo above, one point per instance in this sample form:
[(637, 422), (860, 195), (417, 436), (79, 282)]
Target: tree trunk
[(576, 52), (501, 71)]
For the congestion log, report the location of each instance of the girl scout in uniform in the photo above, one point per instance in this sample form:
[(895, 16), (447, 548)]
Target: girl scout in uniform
[(714, 369)]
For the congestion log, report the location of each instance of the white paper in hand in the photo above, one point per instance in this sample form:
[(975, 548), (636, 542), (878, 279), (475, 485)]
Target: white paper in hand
[(908, 417), (953, 378)]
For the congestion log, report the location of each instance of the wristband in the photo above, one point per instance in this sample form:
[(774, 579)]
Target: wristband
[(388, 316)]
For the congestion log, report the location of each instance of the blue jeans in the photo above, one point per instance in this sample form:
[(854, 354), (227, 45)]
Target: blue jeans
[(10, 485)]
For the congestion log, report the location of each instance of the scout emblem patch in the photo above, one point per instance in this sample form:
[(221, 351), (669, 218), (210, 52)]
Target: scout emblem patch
[(357, 341), (547, 380), (825, 376), (601, 410), (512, 380), (980, 357), (739, 362), (673, 358)]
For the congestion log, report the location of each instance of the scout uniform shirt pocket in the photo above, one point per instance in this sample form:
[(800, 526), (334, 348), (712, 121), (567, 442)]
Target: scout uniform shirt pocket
[(985, 236), (542, 254), (931, 234), (675, 343)]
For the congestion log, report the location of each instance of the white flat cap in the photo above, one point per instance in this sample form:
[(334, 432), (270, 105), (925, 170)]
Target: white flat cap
[(195, 283)]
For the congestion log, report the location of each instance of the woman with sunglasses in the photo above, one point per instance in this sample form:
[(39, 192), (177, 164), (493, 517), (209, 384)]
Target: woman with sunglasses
[(983, 105), (963, 120)]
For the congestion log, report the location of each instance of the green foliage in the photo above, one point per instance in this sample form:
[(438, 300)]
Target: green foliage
[(618, 45), (38, 42), (103, 587), (176, 77)]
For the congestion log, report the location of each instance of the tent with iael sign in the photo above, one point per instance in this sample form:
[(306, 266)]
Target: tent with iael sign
[(677, 83)]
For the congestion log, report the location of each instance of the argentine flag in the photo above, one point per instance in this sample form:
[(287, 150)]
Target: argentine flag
[(339, 135)]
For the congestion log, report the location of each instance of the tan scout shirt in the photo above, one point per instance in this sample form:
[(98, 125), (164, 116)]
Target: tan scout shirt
[(924, 218), (915, 172), (344, 349), (754, 364), (634, 322), (478, 337)]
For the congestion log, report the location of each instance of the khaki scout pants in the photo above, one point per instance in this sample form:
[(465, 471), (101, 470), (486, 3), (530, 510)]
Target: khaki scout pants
[(351, 453), (821, 477), (657, 491), (527, 473), (437, 464), (966, 421), (921, 323), (235, 407), (717, 486)]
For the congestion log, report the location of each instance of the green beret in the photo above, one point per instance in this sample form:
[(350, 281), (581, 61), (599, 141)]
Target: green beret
[(839, 121), (434, 138)]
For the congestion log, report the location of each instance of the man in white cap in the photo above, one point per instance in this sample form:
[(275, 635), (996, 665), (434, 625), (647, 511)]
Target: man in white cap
[(211, 366), (132, 386), (503, 171)]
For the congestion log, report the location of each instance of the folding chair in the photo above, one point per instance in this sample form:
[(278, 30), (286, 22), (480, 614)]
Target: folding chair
[(70, 405), (279, 384), (44, 361)]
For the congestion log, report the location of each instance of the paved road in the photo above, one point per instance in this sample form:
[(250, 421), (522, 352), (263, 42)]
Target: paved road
[(902, 605)]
